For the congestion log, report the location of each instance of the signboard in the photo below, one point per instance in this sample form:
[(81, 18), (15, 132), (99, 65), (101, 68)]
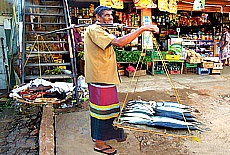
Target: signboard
[(163, 5), (198, 4), (172, 6), (147, 36), (175, 44), (117, 4), (143, 4)]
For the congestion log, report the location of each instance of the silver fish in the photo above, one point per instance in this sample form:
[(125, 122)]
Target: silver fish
[(170, 104), (139, 115), (135, 120), (174, 109)]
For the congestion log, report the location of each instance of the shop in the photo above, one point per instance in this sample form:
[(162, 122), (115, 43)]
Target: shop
[(187, 42)]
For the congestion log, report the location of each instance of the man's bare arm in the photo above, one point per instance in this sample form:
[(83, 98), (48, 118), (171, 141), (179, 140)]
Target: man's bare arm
[(122, 41)]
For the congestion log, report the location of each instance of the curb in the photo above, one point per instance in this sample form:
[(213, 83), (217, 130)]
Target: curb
[(46, 132)]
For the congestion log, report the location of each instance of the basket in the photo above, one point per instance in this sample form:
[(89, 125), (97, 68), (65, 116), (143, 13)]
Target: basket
[(38, 101)]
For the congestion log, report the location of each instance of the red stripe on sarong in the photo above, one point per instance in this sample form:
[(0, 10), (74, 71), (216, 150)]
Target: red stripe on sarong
[(103, 96)]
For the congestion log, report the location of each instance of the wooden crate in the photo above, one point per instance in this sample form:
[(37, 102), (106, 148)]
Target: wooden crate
[(172, 57), (217, 66), (203, 71), (138, 73), (208, 64), (216, 71), (174, 72), (192, 60), (121, 72)]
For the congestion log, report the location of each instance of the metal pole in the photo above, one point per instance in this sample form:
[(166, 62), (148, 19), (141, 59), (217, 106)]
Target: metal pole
[(6, 68), (115, 25), (65, 4)]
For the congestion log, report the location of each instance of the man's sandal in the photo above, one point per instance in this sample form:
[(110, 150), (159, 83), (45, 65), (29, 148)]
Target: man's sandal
[(103, 150)]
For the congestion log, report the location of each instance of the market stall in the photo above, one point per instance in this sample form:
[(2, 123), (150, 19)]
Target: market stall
[(189, 32)]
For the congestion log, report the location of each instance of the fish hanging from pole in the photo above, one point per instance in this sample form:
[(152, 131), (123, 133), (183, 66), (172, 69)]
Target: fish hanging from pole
[(159, 115)]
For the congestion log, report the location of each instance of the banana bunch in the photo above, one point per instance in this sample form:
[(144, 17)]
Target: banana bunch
[(55, 71)]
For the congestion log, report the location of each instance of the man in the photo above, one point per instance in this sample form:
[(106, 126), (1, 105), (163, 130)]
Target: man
[(224, 45), (101, 75), (77, 38), (77, 41)]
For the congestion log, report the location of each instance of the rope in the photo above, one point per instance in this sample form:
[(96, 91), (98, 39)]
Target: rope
[(39, 54), (195, 138), (116, 124), (170, 79)]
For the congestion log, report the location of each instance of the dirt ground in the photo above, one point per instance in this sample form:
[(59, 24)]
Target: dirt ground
[(151, 143), (211, 109), (208, 95)]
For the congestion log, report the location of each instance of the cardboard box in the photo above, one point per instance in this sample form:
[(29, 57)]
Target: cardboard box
[(208, 64), (193, 60), (217, 66)]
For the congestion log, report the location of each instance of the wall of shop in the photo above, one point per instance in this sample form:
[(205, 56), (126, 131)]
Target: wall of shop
[(3, 79), (5, 7)]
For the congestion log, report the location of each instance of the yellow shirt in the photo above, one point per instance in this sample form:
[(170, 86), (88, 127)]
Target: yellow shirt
[(100, 57)]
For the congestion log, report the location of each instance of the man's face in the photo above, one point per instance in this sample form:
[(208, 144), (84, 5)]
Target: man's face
[(225, 30), (107, 17)]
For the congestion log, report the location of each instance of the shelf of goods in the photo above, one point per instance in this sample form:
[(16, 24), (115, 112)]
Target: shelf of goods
[(203, 47), (173, 62)]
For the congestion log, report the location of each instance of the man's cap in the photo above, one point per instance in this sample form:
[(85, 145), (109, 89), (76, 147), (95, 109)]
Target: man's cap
[(99, 9)]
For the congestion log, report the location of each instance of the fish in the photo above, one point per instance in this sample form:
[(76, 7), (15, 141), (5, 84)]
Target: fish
[(170, 125), (140, 107), (140, 115), (166, 122), (171, 104), (158, 122), (186, 114), (174, 109), (175, 116), (139, 111), (134, 120)]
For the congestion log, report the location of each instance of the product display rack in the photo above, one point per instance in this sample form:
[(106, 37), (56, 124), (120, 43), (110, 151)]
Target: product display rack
[(203, 47)]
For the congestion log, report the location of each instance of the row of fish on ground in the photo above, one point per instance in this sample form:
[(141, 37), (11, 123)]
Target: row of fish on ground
[(170, 115)]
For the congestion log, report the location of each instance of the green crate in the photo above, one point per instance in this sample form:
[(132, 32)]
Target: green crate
[(159, 72), (155, 55), (188, 65)]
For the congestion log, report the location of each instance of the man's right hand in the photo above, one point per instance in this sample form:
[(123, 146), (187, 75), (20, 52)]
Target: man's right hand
[(152, 28)]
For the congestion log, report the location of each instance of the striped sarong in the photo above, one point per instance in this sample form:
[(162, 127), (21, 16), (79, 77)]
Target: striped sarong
[(104, 108)]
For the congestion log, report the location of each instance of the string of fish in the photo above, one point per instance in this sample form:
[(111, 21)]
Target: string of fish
[(119, 125)]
